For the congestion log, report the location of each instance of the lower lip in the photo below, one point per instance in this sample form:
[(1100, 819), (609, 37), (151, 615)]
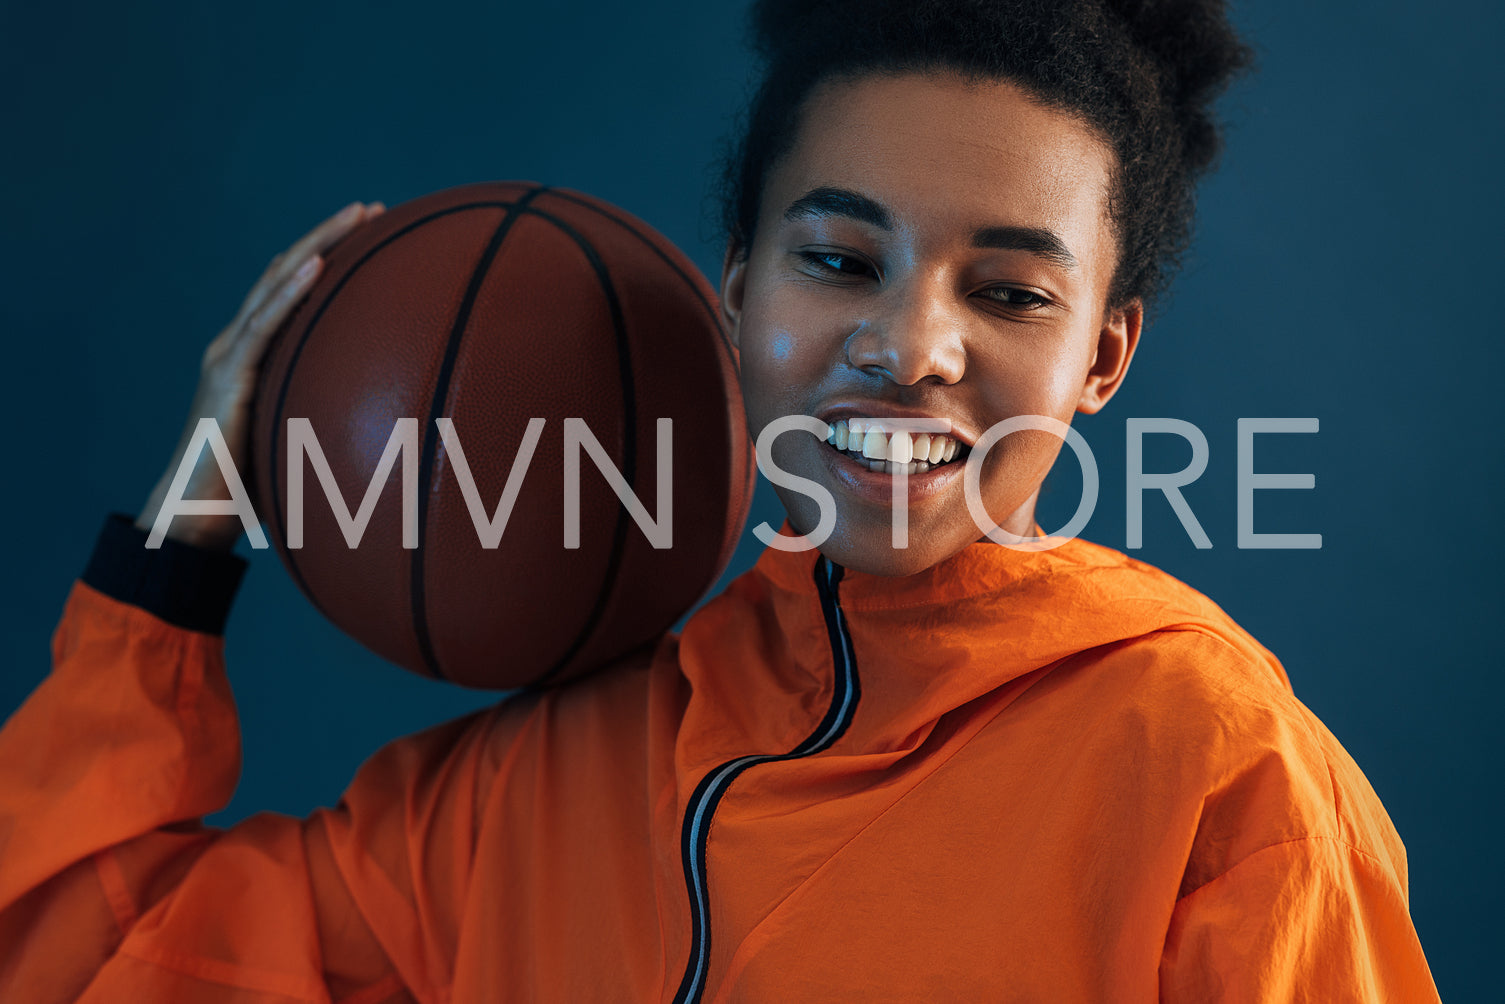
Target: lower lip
[(878, 486)]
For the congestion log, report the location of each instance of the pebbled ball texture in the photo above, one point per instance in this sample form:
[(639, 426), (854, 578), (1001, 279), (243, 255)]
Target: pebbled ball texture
[(489, 305)]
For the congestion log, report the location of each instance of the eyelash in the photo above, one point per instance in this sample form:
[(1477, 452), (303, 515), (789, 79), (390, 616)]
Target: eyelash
[(1034, 303), (821, 262)]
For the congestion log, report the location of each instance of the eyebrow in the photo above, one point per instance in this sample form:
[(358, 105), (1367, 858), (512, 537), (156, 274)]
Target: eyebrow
[(823, 203), (1038, 241)]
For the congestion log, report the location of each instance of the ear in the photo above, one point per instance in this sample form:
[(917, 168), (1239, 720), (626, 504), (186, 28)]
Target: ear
[(1116, 342), (733, 285)]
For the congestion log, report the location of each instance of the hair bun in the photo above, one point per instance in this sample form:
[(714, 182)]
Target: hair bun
[(1191, 41), (1196, 52)]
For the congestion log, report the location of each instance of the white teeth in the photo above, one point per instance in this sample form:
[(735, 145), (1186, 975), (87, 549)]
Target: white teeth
[(900, 448), (916, 453)]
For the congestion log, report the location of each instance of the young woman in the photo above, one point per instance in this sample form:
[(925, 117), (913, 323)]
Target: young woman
[(947, 771)]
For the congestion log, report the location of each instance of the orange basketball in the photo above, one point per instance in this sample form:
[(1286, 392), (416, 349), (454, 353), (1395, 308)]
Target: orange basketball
[(492, 305)]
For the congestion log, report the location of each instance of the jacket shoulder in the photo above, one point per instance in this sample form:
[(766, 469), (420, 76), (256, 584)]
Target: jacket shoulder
[(1269, 771)]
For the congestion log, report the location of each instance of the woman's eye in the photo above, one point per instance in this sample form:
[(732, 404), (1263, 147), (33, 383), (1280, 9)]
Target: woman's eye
[(835, 263), (1011, 297)]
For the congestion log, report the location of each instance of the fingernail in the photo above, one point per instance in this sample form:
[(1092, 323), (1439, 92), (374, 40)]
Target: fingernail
[(308, 268)]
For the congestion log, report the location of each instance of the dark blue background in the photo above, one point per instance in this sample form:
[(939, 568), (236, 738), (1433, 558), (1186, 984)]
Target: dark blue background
[(1346, 269)]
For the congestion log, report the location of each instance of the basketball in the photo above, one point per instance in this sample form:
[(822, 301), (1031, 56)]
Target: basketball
[(512, 325)]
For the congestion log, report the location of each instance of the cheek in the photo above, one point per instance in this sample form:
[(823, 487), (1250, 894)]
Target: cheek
[(781, 348), (770, 374), (785, 348), (764, 346), (769, 359), (1062, 390), (1029, 377), (1045, 376)]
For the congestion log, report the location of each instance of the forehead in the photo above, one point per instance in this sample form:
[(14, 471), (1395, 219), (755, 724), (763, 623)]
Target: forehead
[(946, 155)]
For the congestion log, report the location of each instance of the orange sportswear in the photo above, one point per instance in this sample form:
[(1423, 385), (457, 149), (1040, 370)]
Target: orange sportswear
[(1048, 777)]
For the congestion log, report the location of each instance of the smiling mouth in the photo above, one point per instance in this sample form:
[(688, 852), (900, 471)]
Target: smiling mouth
[(867, 443)]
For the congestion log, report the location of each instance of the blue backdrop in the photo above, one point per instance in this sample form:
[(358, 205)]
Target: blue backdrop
[(1346, 270)]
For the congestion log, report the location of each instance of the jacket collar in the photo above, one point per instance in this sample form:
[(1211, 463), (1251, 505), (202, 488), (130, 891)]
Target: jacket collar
[(924, 644)]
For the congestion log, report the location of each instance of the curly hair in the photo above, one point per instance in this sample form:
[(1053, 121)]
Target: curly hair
[(1142, 73)]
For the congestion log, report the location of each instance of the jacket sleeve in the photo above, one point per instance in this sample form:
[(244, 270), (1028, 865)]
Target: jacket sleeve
[(110, 887), (1313, 919)]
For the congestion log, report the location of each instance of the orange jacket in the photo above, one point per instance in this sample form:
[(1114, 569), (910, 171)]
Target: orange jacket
[(1056, 776)]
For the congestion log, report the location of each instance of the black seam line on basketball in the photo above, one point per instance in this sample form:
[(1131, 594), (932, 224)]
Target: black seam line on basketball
[(700, 811), (278, 513), (438, 408), (629, 440), (726, 342)]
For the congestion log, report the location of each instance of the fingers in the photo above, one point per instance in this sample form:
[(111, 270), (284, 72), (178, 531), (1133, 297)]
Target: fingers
[(268, 317), (233, 356), (315, 242)]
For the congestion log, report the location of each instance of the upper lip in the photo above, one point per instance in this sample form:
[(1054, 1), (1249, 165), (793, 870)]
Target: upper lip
[(879, 411)]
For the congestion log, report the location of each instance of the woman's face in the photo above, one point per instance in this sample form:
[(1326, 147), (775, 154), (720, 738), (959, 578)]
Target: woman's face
[(929, 248)]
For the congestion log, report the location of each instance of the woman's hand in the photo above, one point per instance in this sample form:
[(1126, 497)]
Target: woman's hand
[(227, 378)]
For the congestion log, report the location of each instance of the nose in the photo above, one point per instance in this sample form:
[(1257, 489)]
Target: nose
[(913, 334)]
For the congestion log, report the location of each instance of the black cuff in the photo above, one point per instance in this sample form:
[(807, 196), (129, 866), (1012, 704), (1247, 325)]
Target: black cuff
[(190, 587)]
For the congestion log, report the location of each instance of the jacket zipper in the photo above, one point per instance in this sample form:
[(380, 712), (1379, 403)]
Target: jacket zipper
[(707, 795)]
